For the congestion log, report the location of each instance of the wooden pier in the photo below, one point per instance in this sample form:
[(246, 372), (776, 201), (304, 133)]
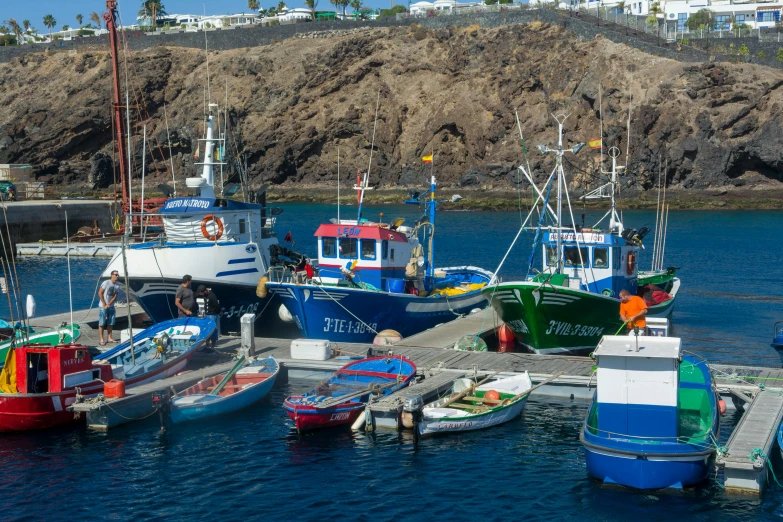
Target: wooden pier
[(446, 335), (748, 450)]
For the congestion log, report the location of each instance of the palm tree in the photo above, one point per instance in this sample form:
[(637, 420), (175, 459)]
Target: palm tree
[(253, 5), (311, 4), (152, 9), (79, 19), (95, 17), (16, 29), (356, 5), (26, 24), (49, 22), (280, 6), (66, 27), (340, 3)]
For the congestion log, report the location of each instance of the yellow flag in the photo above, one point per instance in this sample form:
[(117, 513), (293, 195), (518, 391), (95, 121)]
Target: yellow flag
[(8, 374), (595, 144), (427, 159)]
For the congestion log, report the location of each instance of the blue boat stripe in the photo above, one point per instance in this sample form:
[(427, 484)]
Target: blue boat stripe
[(242, 260), (236, 272)]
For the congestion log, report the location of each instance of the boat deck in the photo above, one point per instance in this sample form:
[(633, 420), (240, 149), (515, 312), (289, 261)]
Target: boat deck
[(57, 248), (749, 447)]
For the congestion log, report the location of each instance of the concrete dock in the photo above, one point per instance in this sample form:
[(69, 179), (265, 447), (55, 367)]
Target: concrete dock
[(36, 220)]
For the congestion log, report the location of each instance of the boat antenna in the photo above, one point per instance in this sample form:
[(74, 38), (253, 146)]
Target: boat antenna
[(128, 226), (171, 157), (601, 123), (206, 52), (68, 257), (127, 298), (338, 185), (363, 185), (665, 230), (527, 162), (143, 171), (657, 231)]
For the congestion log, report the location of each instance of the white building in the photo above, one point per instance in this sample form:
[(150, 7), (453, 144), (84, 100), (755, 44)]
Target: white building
[(421, 8), (287, 16), (759, 14)]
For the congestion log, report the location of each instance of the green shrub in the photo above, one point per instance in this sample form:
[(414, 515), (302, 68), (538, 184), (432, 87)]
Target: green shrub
[(762, 54), (743, 50), (780, 55)]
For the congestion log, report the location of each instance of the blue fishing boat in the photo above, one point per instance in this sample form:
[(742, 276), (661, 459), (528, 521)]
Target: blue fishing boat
[(160, 351), (654, 418), (374, 276), (340, 399), (242, 386), (777, 339)]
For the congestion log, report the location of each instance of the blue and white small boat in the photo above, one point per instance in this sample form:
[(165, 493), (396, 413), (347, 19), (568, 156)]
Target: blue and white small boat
[(160, 351), (777, 340), (242, 386), (654, 417), (377, 276)]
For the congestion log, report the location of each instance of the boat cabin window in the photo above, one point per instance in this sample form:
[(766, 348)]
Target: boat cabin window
[(242, 226), (616, 258), (551, 256), (368, 249), (572, 256), (391, 256), (600, 257), (348, 248), (328, 248), (384, 249)]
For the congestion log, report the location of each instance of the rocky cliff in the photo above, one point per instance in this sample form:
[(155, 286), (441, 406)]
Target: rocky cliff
[(452, 92)]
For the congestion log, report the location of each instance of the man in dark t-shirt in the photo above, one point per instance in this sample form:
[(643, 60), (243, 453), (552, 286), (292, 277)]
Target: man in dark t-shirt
[(212, 310), (184, 298)]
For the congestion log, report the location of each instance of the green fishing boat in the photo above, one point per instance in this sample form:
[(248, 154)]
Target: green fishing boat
[(573, 300), (61, 335)]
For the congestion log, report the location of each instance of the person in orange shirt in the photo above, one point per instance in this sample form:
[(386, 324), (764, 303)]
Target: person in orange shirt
[(633, 310)]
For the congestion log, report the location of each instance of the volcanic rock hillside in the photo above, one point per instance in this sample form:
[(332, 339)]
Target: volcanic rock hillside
[(453, 92)]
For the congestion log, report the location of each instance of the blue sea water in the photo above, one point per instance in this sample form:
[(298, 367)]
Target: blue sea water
[(253, 465)]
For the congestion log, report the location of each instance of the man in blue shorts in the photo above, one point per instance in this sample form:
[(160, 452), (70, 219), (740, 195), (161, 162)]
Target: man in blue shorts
[(107, 314)]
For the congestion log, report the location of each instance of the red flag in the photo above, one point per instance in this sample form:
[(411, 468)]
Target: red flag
[(288, 237)]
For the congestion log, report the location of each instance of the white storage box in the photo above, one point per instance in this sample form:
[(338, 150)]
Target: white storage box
[(659, 326), (311, 349)]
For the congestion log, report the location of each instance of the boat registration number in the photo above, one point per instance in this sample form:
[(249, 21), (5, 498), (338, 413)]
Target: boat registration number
[(340, 416), (455, 425), (563, 328), (346, 326)]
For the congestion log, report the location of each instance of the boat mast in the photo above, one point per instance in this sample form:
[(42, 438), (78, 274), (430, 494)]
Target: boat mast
[(559, 195), (110, 17)]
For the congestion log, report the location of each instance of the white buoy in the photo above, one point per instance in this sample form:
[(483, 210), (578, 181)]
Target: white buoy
[(30, 306), (285, 315), (386, 337), (358, 425)]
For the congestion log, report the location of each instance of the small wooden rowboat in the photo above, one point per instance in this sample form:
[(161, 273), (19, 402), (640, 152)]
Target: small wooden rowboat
[(341, 399), (474, 406), (245, 384)]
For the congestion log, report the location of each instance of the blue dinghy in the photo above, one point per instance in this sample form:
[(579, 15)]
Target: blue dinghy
[(162, 350), (240, 387), (654, 416)]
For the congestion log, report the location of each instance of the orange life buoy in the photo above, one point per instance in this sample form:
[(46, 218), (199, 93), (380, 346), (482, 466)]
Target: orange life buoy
[(204, 222), (631, 263)]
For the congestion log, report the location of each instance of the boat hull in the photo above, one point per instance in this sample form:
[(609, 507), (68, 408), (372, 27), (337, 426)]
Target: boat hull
[(647, 471), (432, 426), (547, 319), (344, 314), (307, 418), (222, 405), (156, 297)]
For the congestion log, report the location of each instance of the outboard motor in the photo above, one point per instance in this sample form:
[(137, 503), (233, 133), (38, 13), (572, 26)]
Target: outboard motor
[(412, 412)]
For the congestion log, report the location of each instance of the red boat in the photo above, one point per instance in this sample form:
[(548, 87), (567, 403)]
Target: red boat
[(341, 399), (40, 382)]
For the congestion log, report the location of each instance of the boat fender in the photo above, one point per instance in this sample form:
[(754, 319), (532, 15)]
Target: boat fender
[(207, 220), (284, 314), (631, 263), (261, 289), (358, 425), (722, 407)]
